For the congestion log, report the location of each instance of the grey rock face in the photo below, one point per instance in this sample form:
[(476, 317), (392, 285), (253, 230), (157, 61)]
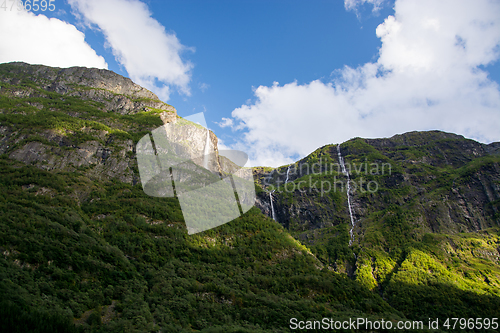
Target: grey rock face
[(103, 155), (100, 162), (118, 93), (63, 80)]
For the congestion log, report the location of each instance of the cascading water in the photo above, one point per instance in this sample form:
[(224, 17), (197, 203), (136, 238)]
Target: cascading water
[(207, 150), (346, 173), (272, 207), (287, 172), (270, 193)]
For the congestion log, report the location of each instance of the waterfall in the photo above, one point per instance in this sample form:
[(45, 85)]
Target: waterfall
[(287, 172), (346, 173), (272, 207), (207, 150)]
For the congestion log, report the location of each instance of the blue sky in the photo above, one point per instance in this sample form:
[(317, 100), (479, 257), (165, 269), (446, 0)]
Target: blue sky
[(278, 78)]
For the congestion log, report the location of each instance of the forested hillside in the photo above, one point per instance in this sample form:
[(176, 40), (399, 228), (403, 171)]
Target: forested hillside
[(425, 210), (84, 249)]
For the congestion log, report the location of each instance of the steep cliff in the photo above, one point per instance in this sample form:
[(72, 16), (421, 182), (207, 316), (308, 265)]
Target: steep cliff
[(84, 119), (451, 183)]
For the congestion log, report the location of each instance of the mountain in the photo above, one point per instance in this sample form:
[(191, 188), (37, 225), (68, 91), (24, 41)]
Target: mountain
[(425, 207), (85, 249)]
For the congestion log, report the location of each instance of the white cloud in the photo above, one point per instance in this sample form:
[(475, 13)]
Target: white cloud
[(150, 55), (354, 4), (37, 39), (426, 77), (226, 122)]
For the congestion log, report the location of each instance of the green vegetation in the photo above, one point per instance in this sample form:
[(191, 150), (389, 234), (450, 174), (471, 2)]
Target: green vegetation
[(81, 251), (80, 120), (126, 248), (412, 243)]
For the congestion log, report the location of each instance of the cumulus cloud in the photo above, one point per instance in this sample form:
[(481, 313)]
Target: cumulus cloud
[(37, 39), (355, 4), (427, 76), (150, 55), (226, 122)]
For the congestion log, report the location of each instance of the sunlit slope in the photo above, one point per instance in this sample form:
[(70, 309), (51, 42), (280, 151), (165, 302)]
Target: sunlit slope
[(426, 217)]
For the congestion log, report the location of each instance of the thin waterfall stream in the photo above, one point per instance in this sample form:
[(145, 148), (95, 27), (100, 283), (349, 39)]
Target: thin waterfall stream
[(346, 173), (271, 197), (272, 207), (287, 172), (207, 150)]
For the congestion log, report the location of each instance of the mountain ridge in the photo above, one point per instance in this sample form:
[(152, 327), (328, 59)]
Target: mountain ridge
[(60, 79)]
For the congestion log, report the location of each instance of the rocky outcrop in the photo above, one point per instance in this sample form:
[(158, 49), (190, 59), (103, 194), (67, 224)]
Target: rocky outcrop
[(96, 160), (191, 141), (117, 93), (96, 146), (64, 80)]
